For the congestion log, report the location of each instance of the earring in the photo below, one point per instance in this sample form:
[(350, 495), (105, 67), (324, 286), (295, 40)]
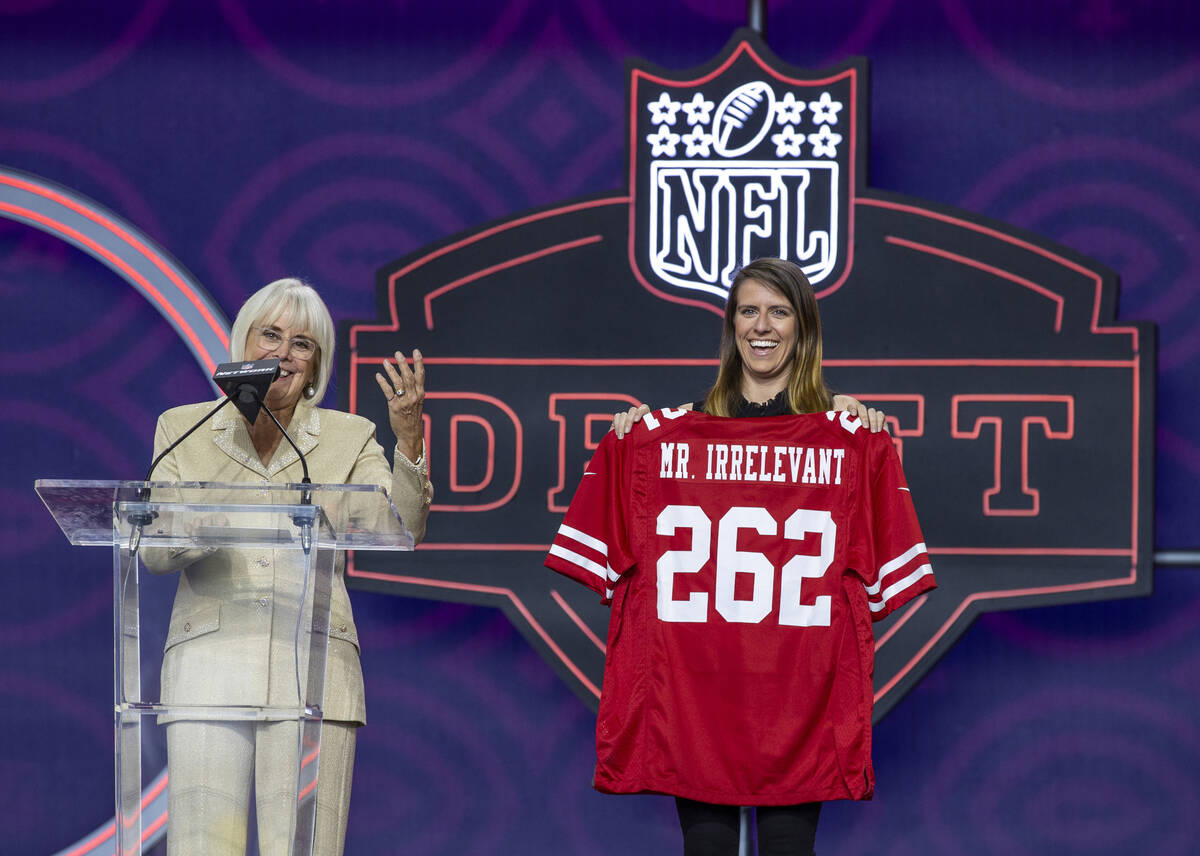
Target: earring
[(310, 391)]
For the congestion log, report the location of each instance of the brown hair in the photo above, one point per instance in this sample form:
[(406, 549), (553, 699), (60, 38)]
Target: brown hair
[(806, 389)]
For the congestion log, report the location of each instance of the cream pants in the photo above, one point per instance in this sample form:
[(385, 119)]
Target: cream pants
[(211, 766)]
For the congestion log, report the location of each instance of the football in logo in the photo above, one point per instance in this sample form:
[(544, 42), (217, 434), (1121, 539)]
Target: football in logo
[(743, 118)]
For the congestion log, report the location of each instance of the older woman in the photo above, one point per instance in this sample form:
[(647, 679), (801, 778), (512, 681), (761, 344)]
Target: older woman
[(219, 639), (770, 365)]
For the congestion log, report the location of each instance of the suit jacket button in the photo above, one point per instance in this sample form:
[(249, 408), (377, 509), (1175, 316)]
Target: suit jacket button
[(187, 628), (262, 601), (341, 628)]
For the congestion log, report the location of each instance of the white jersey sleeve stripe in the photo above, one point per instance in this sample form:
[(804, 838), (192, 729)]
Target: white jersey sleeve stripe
[(579, 561), (899, 586), (898, 562), (583, 538)]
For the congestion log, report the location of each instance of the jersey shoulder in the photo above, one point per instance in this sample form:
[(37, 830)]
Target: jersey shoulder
[(846, 424), (661, 423)]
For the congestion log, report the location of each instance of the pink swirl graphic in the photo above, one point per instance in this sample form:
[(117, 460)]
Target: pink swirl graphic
[(282, 42), (52, 428), (1154, 634), (338, 208), (23, 528), (33, 258), (135, 25), (1182, 450), (1135, 754), (582, 821), (554, 140), (1106, 188), (842, 29), (81, 168), (94, 601), (22, 778), (1112, 26), (455, 749)]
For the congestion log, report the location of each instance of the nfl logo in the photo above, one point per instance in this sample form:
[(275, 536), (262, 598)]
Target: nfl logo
[(741, 159)]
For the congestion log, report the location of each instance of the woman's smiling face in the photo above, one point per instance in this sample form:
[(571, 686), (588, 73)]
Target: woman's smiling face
[(765, 330), (277, 338)]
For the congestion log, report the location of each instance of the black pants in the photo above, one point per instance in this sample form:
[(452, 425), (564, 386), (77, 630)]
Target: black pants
[(712, 830)]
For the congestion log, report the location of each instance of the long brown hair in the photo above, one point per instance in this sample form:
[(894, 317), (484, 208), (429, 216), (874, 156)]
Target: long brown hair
[(806, 389)]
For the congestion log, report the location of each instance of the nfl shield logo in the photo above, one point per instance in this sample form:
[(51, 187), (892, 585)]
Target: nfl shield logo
[(743, 158)]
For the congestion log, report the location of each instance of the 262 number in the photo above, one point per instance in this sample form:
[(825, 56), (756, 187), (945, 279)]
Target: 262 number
[(731, 562)]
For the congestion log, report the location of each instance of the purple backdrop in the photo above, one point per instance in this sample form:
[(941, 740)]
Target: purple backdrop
[(257, 139)]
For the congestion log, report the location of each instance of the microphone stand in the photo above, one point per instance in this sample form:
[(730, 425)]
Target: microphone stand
[(248, 393)]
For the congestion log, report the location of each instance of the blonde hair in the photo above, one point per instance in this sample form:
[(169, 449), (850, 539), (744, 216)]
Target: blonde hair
[(304, 308), (806, 389)]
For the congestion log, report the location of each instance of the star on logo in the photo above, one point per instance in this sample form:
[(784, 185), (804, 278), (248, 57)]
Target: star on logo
[(663, 110), (697, 143), (825, 109), (824, 143), (788, 110), (787, 142), (664, 142), (697, 110)]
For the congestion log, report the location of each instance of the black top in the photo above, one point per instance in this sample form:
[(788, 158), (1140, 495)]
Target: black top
[(777, 406)]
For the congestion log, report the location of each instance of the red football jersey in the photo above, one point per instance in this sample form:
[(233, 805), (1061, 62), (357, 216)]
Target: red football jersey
[(745, 560)]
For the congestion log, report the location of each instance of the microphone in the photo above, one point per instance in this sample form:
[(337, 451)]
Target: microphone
[(247, 383), (244, 384)]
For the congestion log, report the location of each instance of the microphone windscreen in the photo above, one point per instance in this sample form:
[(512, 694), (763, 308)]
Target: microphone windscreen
[(256, 375)]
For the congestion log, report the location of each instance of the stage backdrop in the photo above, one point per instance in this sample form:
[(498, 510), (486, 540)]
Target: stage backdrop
[(481, 180)]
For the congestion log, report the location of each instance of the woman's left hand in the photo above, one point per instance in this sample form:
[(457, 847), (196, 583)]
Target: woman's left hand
[(874, 419), (404, 389)]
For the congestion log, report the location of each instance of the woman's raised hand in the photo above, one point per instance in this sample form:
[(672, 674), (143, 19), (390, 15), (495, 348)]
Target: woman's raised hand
[(404, 389)]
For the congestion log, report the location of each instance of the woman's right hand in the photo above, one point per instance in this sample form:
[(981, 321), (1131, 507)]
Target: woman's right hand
[(623, 422)]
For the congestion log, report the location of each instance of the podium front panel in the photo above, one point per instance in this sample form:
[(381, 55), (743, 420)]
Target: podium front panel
[(222, 636)]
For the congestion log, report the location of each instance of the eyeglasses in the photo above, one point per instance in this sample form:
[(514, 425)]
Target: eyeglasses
[(300, 347)]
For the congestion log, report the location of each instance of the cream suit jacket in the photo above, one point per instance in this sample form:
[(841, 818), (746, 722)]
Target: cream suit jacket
[(218, 647)]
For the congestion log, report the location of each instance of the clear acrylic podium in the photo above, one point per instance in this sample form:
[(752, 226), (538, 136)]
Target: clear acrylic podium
[(276, 670)]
